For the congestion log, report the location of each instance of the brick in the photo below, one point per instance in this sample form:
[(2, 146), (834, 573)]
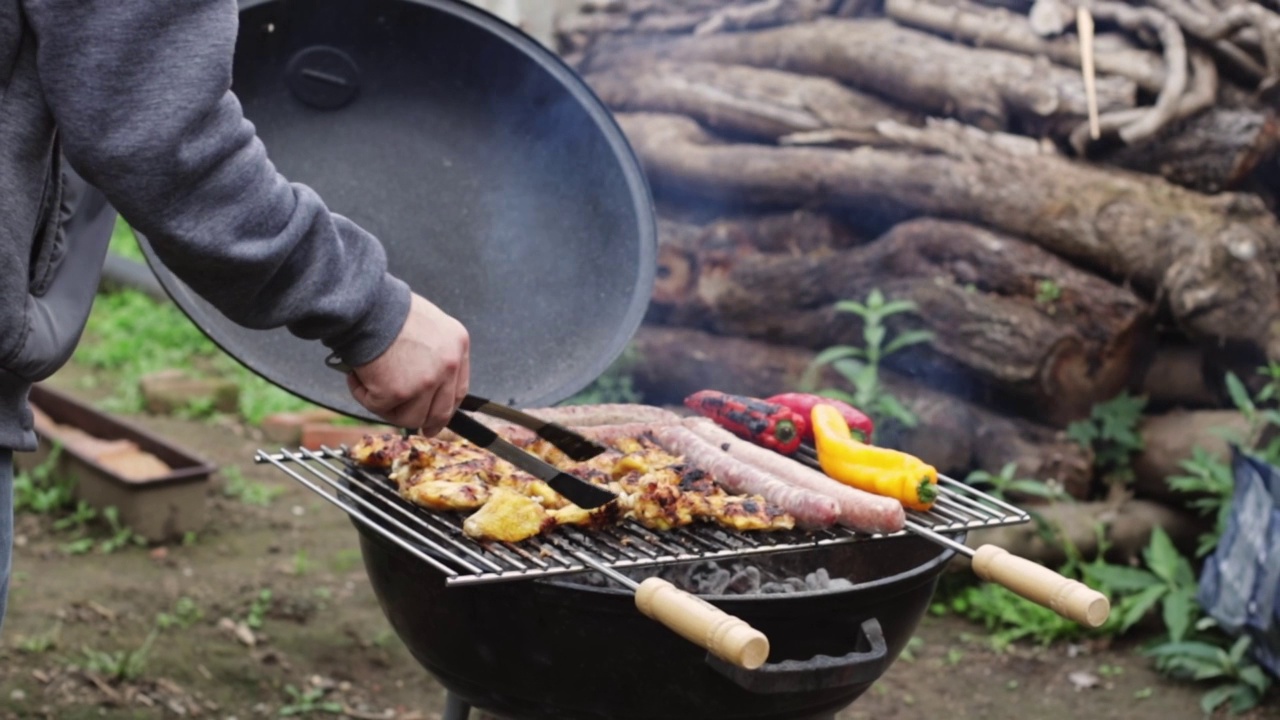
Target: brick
[(134, 464), (168, 391), (86, 445), (285, 428), (316, 434)]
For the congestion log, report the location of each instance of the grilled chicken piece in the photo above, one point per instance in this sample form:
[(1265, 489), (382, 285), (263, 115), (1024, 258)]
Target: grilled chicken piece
[(379, 452), (748, 513), (597, 518), (447, 495), (436, 455), (660, 506), (508, 516)]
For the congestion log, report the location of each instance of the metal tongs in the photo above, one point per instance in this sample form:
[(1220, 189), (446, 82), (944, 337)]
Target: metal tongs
[(578, 491)]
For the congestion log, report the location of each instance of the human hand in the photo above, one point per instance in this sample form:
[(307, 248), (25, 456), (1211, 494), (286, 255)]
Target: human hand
[(422, 377)]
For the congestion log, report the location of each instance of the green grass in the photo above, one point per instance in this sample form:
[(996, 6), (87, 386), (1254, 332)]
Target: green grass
[(130, 335), (123, 241)]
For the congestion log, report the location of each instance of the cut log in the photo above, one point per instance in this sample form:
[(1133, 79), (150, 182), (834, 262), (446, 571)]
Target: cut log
[(1171, 438), (689, 253), (1211, 258), (576, 31), (991, 89), (756, 103), (951, 434), (1127, 528), (1178, 376), (1211, 151), (1007, 317), (996, 27)]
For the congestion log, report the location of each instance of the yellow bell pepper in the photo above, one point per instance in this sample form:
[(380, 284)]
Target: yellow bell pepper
[(878, 470)]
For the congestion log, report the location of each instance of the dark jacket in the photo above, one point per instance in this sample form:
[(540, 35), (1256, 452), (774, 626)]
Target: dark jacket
[(135, 96)]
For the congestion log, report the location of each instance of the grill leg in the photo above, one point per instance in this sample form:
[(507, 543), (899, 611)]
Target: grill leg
[(455, 708)]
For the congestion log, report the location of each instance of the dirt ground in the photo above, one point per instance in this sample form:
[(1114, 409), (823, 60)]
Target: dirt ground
[(323, 639)]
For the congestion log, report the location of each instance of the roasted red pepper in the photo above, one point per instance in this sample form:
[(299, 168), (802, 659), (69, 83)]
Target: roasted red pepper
[(861, 427), (767, 424)]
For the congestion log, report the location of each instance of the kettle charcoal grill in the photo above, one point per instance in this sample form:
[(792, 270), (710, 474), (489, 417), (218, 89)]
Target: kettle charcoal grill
[(515, 630)]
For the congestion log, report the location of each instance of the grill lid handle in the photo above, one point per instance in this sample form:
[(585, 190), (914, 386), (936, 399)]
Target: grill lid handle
[(707, 626)]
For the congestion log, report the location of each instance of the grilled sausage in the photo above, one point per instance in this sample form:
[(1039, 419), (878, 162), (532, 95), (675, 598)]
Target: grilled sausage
[(859, 510), (811, 510)]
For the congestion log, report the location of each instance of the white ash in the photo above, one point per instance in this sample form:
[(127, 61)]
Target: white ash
[(711, 578)]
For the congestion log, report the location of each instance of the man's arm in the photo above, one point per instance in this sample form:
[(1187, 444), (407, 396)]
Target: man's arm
[(141, 94), (140, 90)]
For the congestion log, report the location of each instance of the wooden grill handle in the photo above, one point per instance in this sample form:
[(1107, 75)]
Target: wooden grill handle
[(1069, 598), (703, 624)]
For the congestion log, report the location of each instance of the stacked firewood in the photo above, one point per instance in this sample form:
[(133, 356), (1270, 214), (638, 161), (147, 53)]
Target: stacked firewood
[(1077, 196)]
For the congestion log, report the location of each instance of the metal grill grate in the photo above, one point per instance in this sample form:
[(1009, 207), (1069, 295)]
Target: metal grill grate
[(437, 538)]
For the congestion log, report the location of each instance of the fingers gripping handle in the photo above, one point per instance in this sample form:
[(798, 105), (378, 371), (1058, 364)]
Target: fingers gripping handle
[(1069, 598), (703, 624)]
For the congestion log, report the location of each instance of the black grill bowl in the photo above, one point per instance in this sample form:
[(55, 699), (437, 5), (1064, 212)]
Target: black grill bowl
[(552, 648)]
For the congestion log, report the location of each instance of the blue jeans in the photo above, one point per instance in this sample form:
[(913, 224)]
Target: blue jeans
[(6, 528)]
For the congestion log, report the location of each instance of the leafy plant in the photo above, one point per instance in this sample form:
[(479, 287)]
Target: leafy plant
[(1006, 481), (42, 642), (1243, 683), (1168, 582), (308, 701), (121, 664), (121, 535), (301, 563), (1212, 482), (1048, 292), (79, 518), (248, 492), (1111, 431), (184, 615), (859, 365), (258, 609), (42, 490)]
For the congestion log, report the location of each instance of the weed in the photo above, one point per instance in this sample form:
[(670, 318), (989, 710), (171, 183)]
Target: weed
[(1048, 292), (908, 653), (346, 560), (258, 610), (308, 701), (42, 642), (78, 520), (1002, 483), (122, 664), (248, 492), (301, 563), (1168, 582), (78, 547), (1111, 431), (860, 365), (120, 534), (184, 615), (42, 490), (1242, 682)]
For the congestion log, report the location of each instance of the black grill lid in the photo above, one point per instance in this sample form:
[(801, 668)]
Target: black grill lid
[(500, 185)]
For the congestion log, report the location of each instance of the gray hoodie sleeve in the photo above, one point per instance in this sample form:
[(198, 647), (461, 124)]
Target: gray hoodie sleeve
[(140, 90)]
